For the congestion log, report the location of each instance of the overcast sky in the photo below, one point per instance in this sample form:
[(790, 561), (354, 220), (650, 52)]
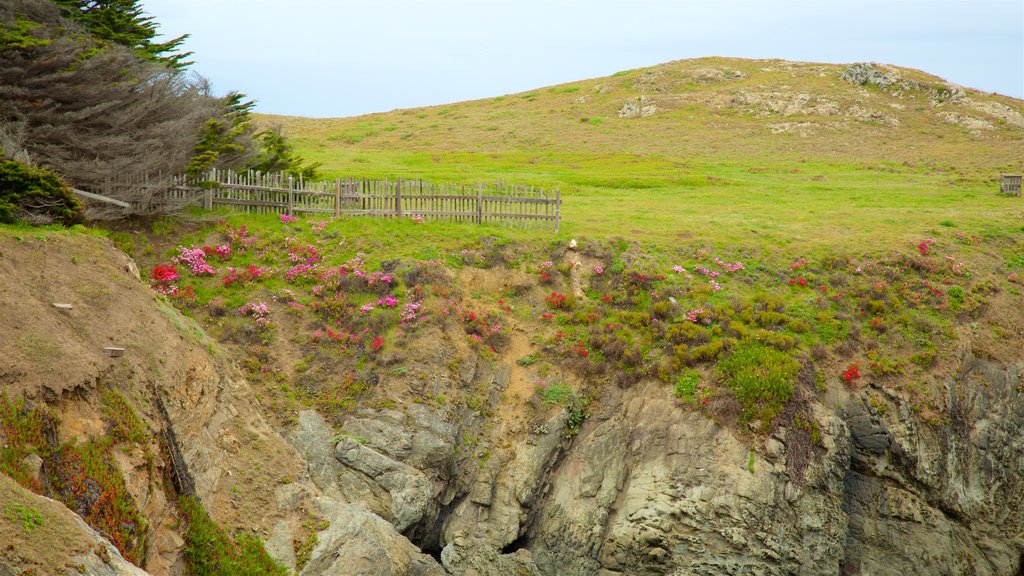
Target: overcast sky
[(342, 57)]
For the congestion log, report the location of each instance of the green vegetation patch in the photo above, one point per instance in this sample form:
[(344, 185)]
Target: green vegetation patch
[(761, 378), (125, 424), (210, 551), (28, 517)]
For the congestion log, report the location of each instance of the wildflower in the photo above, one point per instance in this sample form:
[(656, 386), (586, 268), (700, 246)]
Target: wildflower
[(387, 302), (852, 373), (195, 259), (707, 272), (417, 219), (678, 269), (288, 219), (164, 273), (923, 246), (368, 307), (598, 270), (714, 285), (695, 315)]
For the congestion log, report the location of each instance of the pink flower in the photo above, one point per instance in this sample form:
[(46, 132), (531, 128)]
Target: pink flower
[(598, 270), (678, 269), (287, 219)]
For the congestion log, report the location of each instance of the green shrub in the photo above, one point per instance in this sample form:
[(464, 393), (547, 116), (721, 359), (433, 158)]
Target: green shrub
[(35, 195), (686, 385), (209, 551), (761, 378)]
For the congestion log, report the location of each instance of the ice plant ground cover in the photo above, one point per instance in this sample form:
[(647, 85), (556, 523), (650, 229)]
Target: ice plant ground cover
[(354, 290)]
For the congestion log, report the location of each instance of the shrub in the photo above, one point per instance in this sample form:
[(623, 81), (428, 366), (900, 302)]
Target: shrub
[(761, 378), (688, 384), (35, 195), (210, 551)]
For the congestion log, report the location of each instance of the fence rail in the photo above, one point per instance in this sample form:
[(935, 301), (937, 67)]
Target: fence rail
[(253, 192)]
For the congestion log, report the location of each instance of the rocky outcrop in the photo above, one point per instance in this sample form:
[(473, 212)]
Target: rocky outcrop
[(870, 74), (359, 543), (637, 108), (42, 536)]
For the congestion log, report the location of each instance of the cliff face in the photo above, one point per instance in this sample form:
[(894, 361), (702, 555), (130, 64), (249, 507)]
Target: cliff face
[(484, 483), (649, 487)]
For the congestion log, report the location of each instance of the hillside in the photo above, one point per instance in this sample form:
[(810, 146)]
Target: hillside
[(780, 332), (785, 151), (711, 109)]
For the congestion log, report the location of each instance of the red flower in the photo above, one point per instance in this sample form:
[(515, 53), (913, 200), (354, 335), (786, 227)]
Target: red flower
[(165, 273), (377, 344), (852, 373)]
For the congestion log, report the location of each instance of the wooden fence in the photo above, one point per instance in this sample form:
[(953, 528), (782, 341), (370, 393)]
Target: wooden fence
[(1010, 184), (253, 192)]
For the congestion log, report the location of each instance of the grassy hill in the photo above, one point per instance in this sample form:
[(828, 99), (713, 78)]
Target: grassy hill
[(725, 149)]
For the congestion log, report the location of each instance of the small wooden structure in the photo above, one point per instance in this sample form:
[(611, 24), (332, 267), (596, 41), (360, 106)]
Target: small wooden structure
[(114, 352), (1009, 184)]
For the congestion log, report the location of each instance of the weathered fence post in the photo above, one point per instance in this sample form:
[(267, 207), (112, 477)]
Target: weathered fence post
[(337, 198), (398, 198), (479, 203), (291, 195), (558, 209)]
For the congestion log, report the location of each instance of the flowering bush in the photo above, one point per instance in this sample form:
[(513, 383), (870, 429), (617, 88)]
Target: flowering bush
[(922, 247), (734, 267), (556, 300), (301, 272), (707, 272), (387, 302), (318, 225), (678, 269), (598, 270), (195, 259), (164, 273), (851, 373), (247, 276), (696, 315), (258, 310), (288, 219)]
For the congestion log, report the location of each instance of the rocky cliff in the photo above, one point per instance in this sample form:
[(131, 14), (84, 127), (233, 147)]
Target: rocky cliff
[(491, 480)]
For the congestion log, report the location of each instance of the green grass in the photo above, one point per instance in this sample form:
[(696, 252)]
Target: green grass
[(699, 168)]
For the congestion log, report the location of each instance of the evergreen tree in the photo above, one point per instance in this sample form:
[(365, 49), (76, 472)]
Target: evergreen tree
[(276, 155), (123, 22)]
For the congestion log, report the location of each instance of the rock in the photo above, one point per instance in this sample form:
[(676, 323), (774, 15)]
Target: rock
[(637, 107), (469, 557), (969, 122), (33, 463), (359, 543), (871, 74), (315, 441), (513, 492), (410, 491)]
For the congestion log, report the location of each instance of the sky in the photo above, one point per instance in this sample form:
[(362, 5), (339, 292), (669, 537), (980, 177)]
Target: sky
[(328, 58)]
